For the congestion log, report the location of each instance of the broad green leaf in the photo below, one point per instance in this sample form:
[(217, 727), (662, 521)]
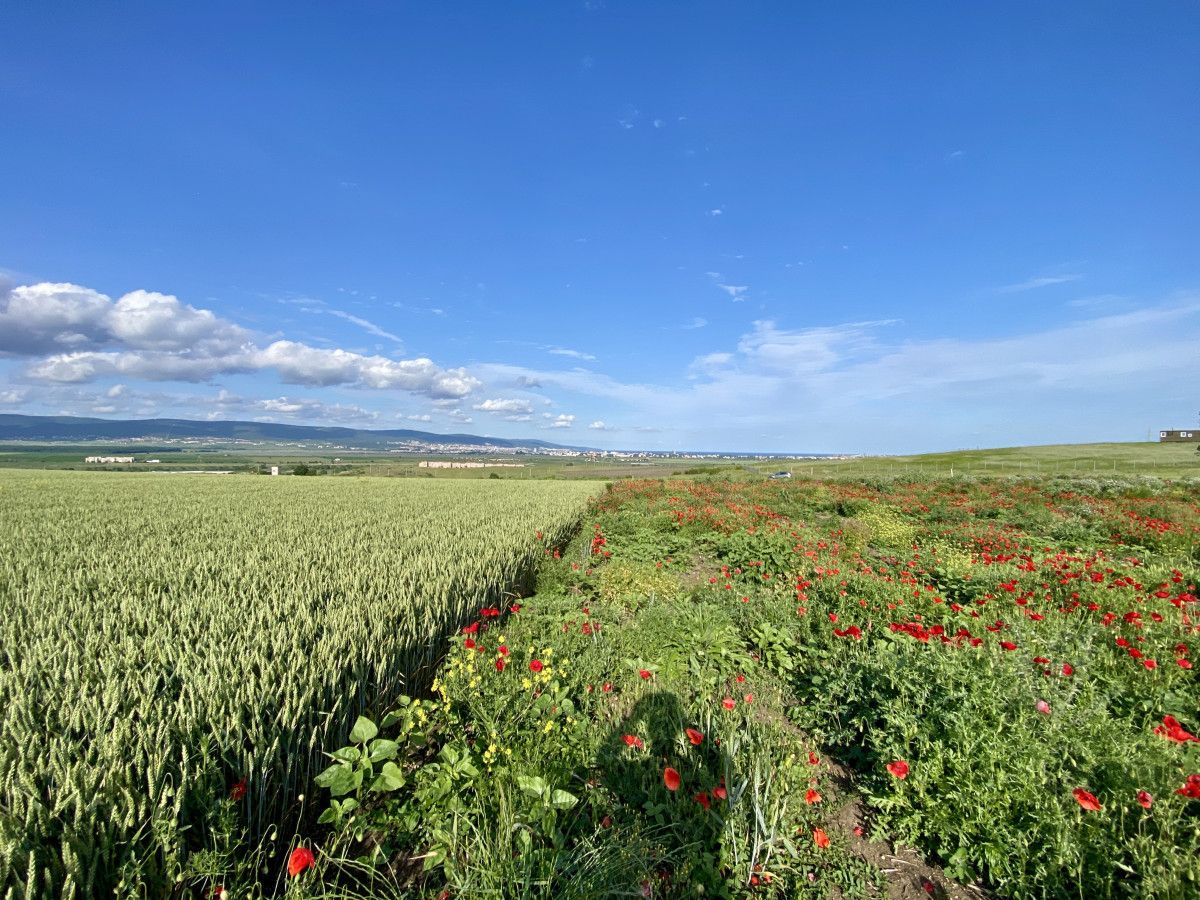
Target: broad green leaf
[(562, 800), (389, 779), (534, 787), (364, 729), (383, 749)]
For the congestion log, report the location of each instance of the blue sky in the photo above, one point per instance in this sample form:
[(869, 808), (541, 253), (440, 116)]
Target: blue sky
[(863, 227)]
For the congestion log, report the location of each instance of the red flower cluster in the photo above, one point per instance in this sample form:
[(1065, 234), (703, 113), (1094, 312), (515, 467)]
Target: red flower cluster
[(1173, 731), (1191, 788)]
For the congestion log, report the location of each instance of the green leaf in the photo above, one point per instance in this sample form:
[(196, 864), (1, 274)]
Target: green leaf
[(364, 729), (383, 749), (533, 787), (347, 754), (562, 800), (326, 817), (390, 778), (340, 779)]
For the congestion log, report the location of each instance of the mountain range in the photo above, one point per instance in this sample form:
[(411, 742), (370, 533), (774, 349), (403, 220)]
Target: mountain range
[(76, 428)]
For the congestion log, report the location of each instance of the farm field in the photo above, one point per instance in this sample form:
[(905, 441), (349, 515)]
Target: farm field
[(164, 639), (748, 689)]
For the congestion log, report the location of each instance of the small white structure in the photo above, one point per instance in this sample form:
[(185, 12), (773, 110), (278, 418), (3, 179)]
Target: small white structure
[(274, 470), (439, 464), (108, 459)]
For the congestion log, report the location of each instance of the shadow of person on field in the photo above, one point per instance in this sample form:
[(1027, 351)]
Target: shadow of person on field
[(666, 777)]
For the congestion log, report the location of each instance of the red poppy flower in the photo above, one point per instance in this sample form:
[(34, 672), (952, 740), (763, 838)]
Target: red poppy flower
[(813, 759), (728, 703), (671, 779), (857, 831), (720, 793), (500, 664), (300, 860), (606, 687), (702, 799), (632, 740), (694, 736), (1191, 788), (1150, 664), (1043, 707), (1008, 645), (1144, 799), (820, 838), (1173, 731), (535, 665), (898, 769), (502, 650), (1067, 670), (749, 698), (741, 679), (645, 673), (1184, 663), (238, 791), (1086, 800), (811, 797)]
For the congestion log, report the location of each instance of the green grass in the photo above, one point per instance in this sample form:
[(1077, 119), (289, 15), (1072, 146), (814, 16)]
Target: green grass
[(1141, 458)]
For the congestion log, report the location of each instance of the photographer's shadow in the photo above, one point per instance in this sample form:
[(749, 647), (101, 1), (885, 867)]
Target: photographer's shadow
[(668, 777)]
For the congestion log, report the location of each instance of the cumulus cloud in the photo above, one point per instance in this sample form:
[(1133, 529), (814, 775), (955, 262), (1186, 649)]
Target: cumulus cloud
[(81, 335), (563, 420), (735, 291), (599, 425), (45, 318), (517, 407)]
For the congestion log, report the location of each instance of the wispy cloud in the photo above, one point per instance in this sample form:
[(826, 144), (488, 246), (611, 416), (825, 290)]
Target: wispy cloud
[(735, 291), (1032, 284), (566, 351), (697, 322), (369, 327)]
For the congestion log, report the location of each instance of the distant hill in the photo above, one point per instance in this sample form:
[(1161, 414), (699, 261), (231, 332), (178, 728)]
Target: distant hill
[(76, 428)]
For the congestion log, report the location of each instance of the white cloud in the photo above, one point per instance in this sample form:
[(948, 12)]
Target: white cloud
[(697, 322), (1034, 283), (14, 395), (599, 425), (45, 318), (155, 337), (735, 291), (423, 417), (563, 421), (522, 407), (716, 212), (144, 320), (115, 391)]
